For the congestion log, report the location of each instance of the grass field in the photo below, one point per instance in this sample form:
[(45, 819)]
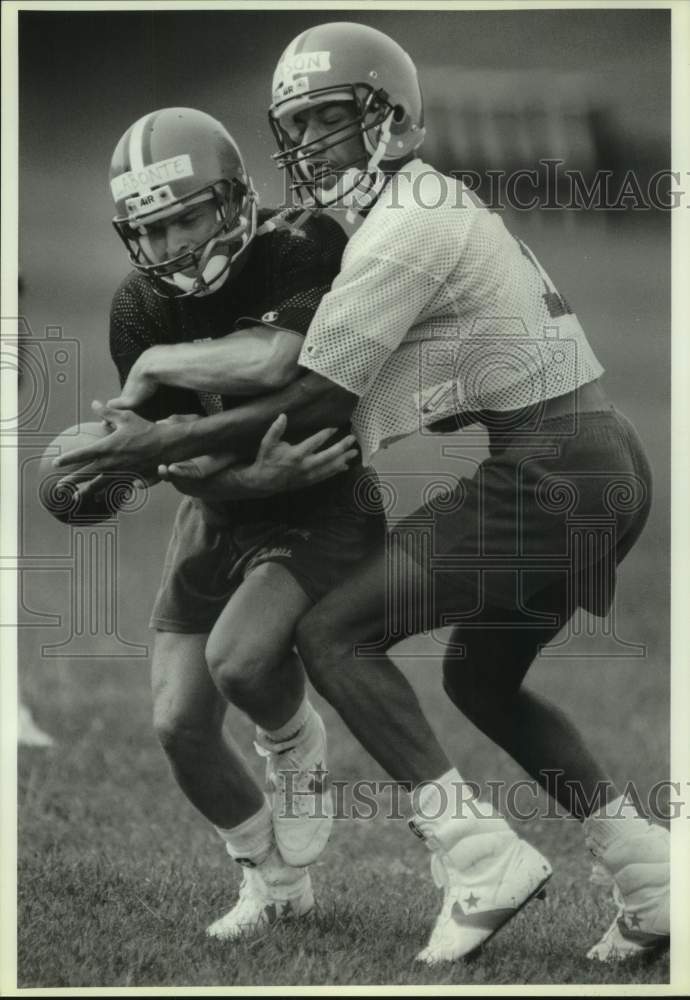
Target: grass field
[(118, 876)]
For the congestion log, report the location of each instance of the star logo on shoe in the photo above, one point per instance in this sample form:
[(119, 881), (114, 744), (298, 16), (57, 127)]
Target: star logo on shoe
[(488, 919), (471, 901), (645, 939)]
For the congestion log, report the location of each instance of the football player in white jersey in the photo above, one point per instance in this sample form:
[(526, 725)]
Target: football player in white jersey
[(438, 319)]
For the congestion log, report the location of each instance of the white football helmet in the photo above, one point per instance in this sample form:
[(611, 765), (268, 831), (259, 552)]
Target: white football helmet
[(346, 61)]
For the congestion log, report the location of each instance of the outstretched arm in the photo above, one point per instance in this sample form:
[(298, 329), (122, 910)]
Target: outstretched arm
[(311, 403)]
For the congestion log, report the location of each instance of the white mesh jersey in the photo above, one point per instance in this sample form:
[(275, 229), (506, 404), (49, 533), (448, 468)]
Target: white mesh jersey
[(437, 310)]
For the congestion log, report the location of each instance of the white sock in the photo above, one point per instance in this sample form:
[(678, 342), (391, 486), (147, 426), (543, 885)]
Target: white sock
[(614, 820), (447, 807), (294, 726), (251, 840)]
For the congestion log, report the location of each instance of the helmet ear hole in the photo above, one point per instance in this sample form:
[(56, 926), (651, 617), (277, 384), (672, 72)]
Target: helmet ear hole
[(401, 121)]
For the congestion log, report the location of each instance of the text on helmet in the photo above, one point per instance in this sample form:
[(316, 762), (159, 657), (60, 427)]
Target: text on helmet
[(141, 181)]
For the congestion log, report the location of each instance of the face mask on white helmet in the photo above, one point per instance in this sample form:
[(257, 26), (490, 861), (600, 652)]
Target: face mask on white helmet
[(354, 187)]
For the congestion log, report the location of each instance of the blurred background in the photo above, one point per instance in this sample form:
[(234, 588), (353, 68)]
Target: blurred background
[(503, 90)]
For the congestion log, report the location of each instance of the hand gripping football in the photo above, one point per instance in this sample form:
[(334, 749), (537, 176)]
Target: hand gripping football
[(58, 491)]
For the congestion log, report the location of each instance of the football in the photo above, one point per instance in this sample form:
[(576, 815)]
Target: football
[(57, 487)]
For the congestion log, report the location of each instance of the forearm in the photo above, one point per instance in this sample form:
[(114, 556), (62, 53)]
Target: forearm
[(310, 403), (228, 484), (242, 363), (277, 467)]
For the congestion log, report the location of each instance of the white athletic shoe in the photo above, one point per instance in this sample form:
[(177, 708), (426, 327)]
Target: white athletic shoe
[(639, 867), (486, 879), (297, 785), (270, 892)]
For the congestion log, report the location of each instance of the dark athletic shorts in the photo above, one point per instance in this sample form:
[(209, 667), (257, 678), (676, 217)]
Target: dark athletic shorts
[(320, 544), (552, 510)]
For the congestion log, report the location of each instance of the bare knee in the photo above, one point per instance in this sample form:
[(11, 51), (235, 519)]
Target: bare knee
[(187, 709), (182, 733), (239, 669)]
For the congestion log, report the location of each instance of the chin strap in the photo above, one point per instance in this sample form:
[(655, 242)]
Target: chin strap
[(214, 267), (365, 192), (357, 190), (382, 144), (212, 277)]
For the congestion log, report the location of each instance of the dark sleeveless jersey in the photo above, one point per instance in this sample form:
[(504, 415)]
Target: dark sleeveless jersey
[(287, 271), (282, 282)]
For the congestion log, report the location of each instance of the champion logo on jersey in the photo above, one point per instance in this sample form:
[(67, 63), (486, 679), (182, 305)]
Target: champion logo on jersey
[(269, 317)]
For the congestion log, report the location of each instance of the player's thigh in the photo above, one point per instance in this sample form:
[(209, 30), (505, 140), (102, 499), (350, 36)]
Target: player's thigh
[(369, 605), (487, 657), (257, 625), (184, 695)]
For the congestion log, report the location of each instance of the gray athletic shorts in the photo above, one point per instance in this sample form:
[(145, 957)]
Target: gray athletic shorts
[(556, 507), (319, 544)]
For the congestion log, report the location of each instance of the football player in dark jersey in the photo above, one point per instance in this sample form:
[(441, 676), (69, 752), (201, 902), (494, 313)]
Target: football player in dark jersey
[(214, 312)]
